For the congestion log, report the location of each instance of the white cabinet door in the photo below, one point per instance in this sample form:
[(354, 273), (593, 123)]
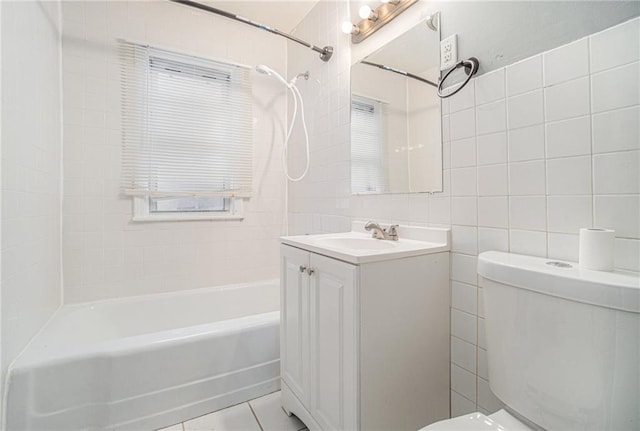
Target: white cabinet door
[(294, 321), (333, 317)]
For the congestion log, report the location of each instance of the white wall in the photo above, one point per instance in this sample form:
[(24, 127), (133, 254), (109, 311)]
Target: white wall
[(500, 32), (532, 152), (31, 174), (105, 254)]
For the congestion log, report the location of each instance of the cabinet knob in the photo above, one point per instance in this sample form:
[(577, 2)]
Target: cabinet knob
[(310, 271), (303, 268)]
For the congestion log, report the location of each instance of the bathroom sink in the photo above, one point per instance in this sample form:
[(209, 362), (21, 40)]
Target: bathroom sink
[(358, 243), (359, 247)]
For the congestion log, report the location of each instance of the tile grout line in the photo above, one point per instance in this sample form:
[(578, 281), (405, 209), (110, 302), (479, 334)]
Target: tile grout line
[(255, 416)]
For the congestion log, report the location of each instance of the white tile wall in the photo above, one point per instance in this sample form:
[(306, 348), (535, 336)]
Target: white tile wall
[(105, 254), (569, 159), (31, 174), (535, 123)]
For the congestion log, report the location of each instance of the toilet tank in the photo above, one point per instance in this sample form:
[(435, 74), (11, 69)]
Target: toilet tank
[(562, 342)]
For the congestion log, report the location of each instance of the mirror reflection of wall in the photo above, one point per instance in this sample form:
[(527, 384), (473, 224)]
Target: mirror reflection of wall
[(396, 142)]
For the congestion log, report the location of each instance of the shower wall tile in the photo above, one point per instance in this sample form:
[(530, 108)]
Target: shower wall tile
[(555, 62), (464, 297), (463, 382), (527, 178), (105, 254), (525, 110), (492, 148), (463, 182), (492, 180), (628, 254), (524, 76), (568, 137), (567, 214), (464, 99), (618, 212), (528, 212), (463, 153), (569, 176), (493, 239), (464, 211), (617, 173), (615, 88), (493, 212), (464, 239), (617, 130), (463, 354), (31, 173), (463, 124), (526, 143), (490, 87), (464, 326), (533, 243), (615, 46), (567, 100), (490, 118), (563, 246)]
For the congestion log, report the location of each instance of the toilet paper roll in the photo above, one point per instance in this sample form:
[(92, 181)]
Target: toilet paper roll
[(596, 249)]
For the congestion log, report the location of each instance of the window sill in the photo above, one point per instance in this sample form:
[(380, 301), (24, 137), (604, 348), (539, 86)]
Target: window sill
[(187, 217), (141, 213)]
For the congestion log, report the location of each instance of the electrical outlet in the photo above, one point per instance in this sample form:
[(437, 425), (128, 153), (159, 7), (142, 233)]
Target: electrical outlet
[(449, 52)]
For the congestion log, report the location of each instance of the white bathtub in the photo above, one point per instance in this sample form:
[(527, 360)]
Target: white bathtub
[(148, 362)]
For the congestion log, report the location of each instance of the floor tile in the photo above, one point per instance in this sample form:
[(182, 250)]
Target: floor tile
[(236, 418), (268, 410)]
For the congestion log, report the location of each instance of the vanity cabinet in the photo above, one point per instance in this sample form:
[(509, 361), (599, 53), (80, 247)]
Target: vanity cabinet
[(364, 346), (318, 335)]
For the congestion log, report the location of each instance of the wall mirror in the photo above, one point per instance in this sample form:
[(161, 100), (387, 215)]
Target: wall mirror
[(396, 125)]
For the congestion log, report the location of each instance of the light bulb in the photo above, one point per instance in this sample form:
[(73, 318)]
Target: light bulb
[(365, 12), (349, 28)]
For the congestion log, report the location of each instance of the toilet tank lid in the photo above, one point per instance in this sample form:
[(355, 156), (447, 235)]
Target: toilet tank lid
[(619, 290)]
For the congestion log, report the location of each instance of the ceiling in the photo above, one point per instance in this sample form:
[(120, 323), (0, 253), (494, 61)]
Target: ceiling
[(283, 15)]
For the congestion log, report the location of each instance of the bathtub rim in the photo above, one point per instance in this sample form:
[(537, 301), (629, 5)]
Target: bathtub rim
[(133, 343), (161, 295)]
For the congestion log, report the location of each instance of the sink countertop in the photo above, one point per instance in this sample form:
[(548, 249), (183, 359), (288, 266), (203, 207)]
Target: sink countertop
[(336, 245)]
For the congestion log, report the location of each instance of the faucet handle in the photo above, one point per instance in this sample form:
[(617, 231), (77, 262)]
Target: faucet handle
[(393, 232)]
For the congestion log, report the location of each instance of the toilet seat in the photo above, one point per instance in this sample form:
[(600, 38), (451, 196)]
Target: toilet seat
[(498, 421)]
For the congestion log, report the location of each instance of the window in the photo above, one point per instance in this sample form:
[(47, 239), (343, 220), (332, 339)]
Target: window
[(187, 133), (368, 168)]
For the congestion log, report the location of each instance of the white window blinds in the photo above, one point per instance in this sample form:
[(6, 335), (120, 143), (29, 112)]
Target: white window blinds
[(187, 125), (368, 167)]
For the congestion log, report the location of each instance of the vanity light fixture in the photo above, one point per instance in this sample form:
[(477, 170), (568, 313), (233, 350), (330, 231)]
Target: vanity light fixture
[(365, 12), (350, 28), (374, 19)]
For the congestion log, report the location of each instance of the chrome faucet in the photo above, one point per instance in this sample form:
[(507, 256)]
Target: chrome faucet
[(380, 233)]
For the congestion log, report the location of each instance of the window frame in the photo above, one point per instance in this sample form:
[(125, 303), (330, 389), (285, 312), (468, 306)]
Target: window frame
[(142, 205), (142, 212)]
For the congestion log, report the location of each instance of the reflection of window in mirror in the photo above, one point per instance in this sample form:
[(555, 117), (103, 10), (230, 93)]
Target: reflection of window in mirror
[(410, 153), (368, 146)]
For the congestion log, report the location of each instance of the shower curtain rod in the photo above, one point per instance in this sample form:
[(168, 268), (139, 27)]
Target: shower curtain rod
[(399, 72), (325, 52)]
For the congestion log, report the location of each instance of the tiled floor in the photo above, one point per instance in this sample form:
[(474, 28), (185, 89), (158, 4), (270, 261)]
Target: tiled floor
[(262, 414)]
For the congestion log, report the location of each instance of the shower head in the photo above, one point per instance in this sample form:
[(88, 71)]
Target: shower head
[(266, 70)]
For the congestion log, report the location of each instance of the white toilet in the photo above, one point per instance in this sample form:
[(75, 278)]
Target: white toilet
[(563, 346)]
